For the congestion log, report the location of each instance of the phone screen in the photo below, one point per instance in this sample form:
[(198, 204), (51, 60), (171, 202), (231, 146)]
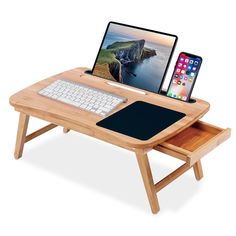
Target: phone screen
[(184, 76)]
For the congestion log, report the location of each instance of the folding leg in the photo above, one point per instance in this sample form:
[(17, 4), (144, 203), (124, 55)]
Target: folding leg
[(152, 188), (66, 130), (21, 135), (148, 180), (197, 167), (22, 138)]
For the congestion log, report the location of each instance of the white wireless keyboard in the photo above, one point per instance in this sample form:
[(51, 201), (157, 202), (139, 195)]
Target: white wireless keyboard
[(82, 96)]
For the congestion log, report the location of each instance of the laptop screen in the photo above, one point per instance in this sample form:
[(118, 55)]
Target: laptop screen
[(134, 56)]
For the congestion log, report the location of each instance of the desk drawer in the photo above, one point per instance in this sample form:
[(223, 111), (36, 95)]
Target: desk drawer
[(194, 142)]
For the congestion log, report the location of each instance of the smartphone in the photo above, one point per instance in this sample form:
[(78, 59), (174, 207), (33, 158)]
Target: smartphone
[(184, 76)]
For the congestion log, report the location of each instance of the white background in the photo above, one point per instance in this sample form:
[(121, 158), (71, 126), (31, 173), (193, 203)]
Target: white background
[(76, 185)]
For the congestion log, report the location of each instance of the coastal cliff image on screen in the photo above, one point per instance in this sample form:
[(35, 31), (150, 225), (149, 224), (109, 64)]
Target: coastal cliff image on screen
[(134, 57)]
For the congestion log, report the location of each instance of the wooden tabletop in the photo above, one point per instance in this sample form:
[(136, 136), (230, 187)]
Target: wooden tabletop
[(31, 103)]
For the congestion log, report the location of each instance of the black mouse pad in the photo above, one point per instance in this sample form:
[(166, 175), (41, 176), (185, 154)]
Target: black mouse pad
[(141, 120)]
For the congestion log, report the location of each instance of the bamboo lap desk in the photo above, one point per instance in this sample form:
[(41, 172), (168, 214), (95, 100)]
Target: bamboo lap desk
[(188, 139)]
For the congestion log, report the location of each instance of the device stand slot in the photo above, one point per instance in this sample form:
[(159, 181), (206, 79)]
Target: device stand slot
[(164, 93)]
